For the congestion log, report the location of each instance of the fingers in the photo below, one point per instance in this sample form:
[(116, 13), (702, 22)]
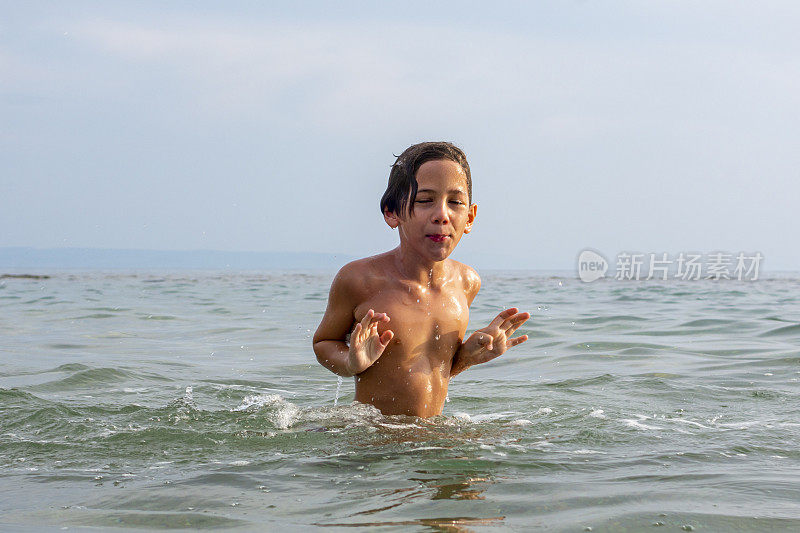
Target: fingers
[(502, 316), (370, 319), (372, 316), (368, 326), (511, 324), (518, 340), (367, 318), (486, 340), (386, 337), (515, 320)]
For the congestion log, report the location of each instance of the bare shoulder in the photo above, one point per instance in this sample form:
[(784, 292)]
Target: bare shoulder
[(348, 290), (360, 274), (470, 278), (352, 270)]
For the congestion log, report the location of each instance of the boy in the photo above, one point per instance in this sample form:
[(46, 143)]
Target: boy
[(415, 289)]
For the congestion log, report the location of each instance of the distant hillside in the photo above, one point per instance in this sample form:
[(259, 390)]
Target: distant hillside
[(97, 258)]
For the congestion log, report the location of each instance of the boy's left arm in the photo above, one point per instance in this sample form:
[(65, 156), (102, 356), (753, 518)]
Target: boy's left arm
[(490, 342)]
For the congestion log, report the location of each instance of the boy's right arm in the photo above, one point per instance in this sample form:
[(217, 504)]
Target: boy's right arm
[(329, 340)]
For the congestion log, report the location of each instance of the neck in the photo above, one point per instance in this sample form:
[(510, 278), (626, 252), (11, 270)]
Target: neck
[(415, 268)]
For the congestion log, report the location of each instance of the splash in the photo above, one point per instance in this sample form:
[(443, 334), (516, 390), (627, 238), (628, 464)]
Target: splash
[(338, 388), (281, 413)]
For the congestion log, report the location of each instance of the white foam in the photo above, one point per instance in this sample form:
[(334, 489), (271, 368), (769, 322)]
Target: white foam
[(285, 414), (637, 424), (400, 426), (258, 401), (597, 413), (544, 411), (487, 417), (747, 424), (691, 423)]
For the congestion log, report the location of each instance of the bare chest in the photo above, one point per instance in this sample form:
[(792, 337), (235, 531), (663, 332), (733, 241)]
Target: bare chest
[(424, 321)]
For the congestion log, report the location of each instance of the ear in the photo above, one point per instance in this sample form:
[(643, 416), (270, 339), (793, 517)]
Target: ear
[(391, 218), (473, 210)]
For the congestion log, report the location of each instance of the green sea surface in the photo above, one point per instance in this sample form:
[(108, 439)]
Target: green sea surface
[(170, 400)]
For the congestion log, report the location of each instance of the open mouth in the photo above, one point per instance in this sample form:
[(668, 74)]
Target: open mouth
[(438, 237)]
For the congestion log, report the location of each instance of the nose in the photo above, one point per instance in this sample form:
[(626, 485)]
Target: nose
[(440, 214)]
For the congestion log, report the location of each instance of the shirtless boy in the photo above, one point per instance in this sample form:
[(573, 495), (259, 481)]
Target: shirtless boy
[(410, 306)]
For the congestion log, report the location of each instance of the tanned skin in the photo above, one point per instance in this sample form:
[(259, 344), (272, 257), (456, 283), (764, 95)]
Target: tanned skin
[(406, 310)]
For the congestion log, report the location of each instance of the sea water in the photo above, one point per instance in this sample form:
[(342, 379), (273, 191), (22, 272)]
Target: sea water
[(193, 400)]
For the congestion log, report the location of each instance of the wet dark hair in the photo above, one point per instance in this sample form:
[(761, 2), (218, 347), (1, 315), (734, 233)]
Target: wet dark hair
[(402, 187)]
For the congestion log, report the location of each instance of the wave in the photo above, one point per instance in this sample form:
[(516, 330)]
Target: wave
[(785, 331)]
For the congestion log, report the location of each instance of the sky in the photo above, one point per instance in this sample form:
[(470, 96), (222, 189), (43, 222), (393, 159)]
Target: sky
[(651, 126)]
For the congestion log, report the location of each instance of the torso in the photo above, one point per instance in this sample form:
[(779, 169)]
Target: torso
[(429, 323)]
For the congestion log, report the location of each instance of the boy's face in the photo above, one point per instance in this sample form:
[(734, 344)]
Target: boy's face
[(442, 212)]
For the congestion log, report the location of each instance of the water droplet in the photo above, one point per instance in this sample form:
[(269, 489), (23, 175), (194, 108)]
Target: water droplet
[(338, 386), (436, 337)]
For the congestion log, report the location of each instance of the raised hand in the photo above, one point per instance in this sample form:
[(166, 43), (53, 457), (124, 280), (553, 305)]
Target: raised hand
[(366, 346), (493, 340)]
